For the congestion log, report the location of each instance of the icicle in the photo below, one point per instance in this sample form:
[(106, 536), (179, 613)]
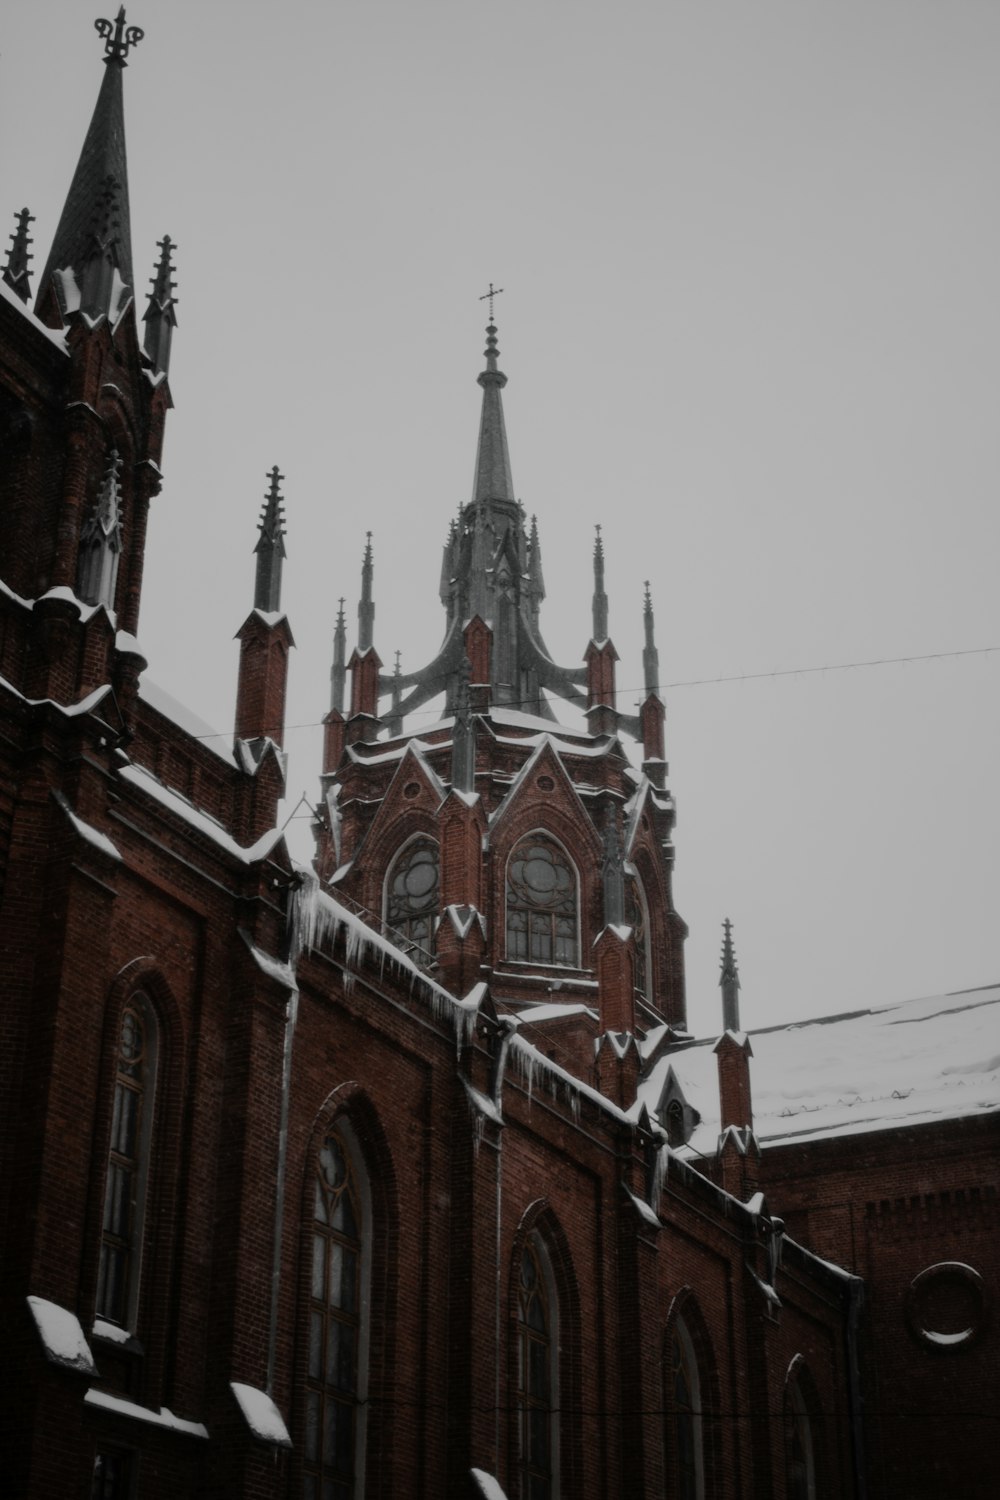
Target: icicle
[(660, 1167)]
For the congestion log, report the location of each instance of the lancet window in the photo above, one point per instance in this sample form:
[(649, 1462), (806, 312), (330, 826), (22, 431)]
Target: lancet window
[(101, 540), (333, 1447), (127, 1183), (685, 1436), (543, 924), (411, 893), (537, 1398), (800, 1467), (635, 916)]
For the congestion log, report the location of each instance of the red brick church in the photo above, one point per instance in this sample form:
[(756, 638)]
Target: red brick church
[(401, 1175)]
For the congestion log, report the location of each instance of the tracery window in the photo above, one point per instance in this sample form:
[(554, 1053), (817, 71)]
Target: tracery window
[(127, 1182), (800, 1469), (542, 922), (411, 892), (685, 1435), (537, 1374), (635, 916), (334, 1447)]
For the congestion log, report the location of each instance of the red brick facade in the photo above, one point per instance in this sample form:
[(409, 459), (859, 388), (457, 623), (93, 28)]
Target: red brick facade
[(365, 1143)]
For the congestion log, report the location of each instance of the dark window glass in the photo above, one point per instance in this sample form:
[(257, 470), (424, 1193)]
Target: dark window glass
[(542, 924), (635, 916), (331, 1407), (128, 1166), (412, 893), (535, 1403)]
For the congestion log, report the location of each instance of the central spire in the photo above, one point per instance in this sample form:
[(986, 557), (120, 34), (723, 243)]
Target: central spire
[(493, 478)]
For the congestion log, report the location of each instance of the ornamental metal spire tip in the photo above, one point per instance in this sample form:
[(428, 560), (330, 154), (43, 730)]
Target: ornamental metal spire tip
[(119, 39)]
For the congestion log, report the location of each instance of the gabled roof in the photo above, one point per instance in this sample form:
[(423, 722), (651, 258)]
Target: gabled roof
[(883, 1069)]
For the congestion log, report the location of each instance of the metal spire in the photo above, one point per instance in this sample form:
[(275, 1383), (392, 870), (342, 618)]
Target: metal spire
[(338, 672), (102, 163), (160, 316), (15, 272), (650, 655), (270, 548), (366, 609), (729, 981), (600, 603)]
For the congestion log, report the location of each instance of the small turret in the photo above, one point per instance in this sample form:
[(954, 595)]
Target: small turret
[(364, 664), (270, 548), (15, 272), (739, 1153), (338, 672), (160, 316), (652, 714)]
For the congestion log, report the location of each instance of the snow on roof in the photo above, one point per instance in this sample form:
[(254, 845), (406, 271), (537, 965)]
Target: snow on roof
[(202, 821), (62, 1337), (900, 1065), (59, 339), (92, 835), (171, 708), (532, 1014), (262, 1416), (161, 1418), (86, 705)]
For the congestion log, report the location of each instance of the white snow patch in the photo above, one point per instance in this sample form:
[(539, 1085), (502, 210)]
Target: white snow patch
[(110, 1332), (162, 1418), (644, 1211), (128, 644), (139, 777), (272, 967), (67, 595), (59, 339), (262, 1416), (947, 1340), (488, 1487), (62, 1337), (92, 835)]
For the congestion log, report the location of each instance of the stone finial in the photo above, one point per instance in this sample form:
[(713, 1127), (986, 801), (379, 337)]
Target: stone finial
[(15, 272), (338, 672), (600, 601), (270, 548), (160, 316), (650, 655), (535, 577), (366, 608), (729, 981)]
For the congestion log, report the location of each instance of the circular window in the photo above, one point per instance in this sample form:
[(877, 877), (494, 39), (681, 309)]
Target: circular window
[(411, 789), (545, 784), (946, 1304)]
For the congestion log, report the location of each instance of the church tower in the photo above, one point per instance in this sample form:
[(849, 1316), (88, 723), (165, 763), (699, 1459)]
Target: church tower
[(82, 412), (499, 846)]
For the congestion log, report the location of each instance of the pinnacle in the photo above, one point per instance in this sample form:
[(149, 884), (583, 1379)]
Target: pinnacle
[(160, 316), (15, 272), (270, 548)]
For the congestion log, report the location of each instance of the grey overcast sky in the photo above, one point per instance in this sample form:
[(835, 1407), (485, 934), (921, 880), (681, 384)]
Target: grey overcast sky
[(750, 324)]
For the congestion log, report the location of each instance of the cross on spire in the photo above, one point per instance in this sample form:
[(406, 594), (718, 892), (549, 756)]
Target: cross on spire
[(118, 38), (488, 296)]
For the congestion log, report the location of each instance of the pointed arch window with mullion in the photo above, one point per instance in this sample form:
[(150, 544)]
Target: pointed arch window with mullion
[(542, 910)]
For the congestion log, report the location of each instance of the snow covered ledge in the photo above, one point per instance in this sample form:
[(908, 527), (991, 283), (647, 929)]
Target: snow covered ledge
[(63, 1339), (261, 1415)]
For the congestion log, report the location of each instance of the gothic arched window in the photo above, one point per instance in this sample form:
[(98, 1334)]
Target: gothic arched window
[(542, 922), (537, 1396), (635, 916), (684, 1435), (127, 1184), (800, 1467), (411, 892), (333, 1449)]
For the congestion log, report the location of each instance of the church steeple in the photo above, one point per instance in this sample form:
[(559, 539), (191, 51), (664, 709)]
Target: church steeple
[(493, 477), (600, 601), (366, 606), (89, 268), (729, 981)]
